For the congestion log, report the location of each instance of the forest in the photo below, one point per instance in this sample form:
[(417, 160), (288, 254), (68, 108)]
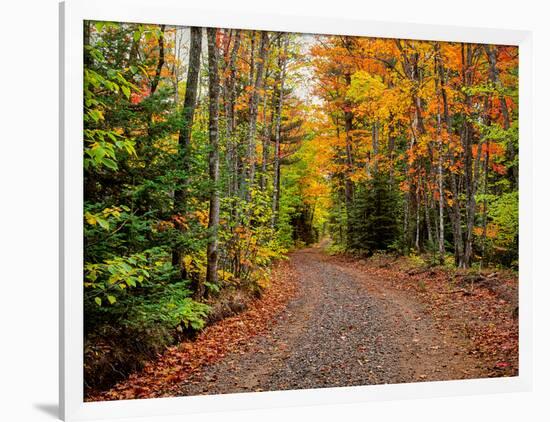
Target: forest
[(211, 154)]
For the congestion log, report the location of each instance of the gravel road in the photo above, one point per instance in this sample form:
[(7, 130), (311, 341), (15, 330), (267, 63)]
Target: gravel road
[(342, 329)]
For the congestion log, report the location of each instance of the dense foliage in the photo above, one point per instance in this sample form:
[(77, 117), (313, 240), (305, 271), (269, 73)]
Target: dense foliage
[(184, 141), (423, 140)]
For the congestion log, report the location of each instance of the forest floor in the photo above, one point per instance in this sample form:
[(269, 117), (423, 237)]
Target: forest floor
[(331, 321)]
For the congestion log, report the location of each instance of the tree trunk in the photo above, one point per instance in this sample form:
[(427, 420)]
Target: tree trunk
[(87, 55), (391, 153), (156, 78), (441, 200), (373, 161), (268, 129), (348, 127), (230, 94), (417, 234), (188, 112), (184, 137), (250, 167), (277, 152), (471, 163), (486, 190), (454, 211), (213, 160), (427, 214)]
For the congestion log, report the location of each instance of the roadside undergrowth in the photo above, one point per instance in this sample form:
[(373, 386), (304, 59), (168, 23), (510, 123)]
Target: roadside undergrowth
[(161, 377)]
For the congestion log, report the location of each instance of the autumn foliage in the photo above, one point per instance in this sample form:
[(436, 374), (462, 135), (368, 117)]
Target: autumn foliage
[(210, 153), (435, 125)]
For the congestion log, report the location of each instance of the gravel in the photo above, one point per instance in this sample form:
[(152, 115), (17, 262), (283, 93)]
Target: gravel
[(334, 333)]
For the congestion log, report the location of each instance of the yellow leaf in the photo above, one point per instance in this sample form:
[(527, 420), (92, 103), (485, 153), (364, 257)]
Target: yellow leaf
[(187, 259), (90, 219)]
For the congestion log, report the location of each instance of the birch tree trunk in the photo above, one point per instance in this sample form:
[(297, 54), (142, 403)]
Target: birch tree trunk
[(250, 166), (277, 152), (267, 133), (213, 161)]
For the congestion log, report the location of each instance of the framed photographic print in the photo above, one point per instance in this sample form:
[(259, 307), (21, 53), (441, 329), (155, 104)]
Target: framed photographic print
[(269, 210)]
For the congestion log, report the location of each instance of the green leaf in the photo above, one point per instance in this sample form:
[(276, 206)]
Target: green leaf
[(96, 115), (110, 163), (126, 91), (111, 299), (98, 301), (103, 223)]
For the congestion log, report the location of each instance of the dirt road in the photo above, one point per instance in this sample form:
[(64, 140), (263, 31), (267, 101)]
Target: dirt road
[(343, 328)]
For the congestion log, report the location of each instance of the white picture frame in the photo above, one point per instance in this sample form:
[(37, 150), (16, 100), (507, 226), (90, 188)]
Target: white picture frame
[(174, 12)]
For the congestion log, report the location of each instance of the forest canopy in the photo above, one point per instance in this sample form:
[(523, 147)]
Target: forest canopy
[(210, 153)]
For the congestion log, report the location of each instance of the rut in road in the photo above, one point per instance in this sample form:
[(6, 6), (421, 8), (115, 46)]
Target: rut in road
[(336, 332)]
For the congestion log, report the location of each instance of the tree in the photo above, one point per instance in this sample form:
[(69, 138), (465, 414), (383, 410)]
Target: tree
[(277, 150), (184, 137), (250, 168), (213, 160), (374, 218)]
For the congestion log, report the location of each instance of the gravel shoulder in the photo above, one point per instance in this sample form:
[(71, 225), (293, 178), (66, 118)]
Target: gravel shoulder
[(343, 328)]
